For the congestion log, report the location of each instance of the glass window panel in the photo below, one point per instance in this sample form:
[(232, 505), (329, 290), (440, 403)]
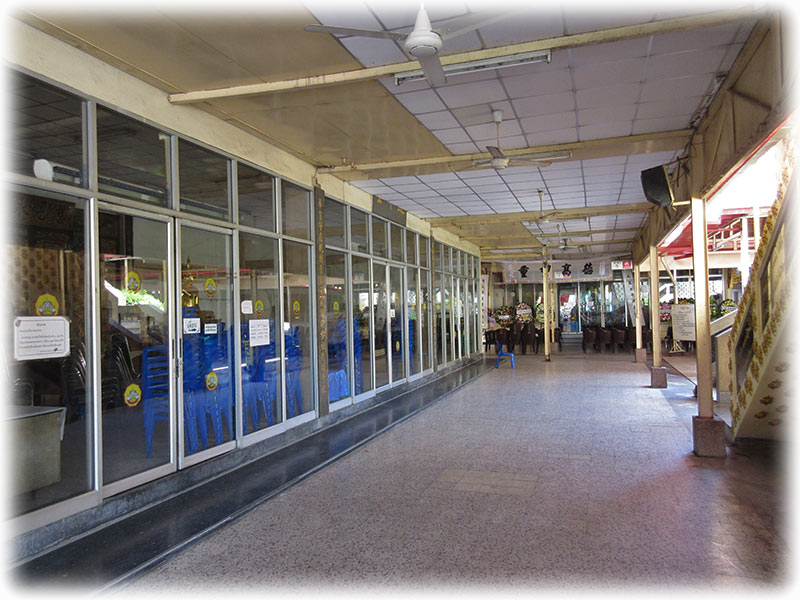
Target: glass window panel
[(46, 132), (336, 326), (296, 210), (397, 242), (411, 247), (333, 223), (437, 256), (413, 321), (399, 327), (423, 252), (297, 328), (359, 238), (447, 301), (134, 334), (206, 307), (256, 192), (379, 300), (49, 409), (457, 262), (439, 335), (362, 325), (463, 315), (203, 181), (261, 353), (379, 237), (132, 158), (424, 313), (447, 259)]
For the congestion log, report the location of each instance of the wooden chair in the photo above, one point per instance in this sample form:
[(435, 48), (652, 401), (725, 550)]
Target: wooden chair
[(589, 338)]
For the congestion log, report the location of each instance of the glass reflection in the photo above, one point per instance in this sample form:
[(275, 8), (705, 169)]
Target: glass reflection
[(336, 326), (362, 325), (399, 327), (379, 319), (297, 328)]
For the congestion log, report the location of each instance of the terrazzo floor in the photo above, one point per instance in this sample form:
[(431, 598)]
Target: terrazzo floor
[(568, 475)]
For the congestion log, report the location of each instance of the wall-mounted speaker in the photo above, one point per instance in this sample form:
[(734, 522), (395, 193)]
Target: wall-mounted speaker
[(655, 183)]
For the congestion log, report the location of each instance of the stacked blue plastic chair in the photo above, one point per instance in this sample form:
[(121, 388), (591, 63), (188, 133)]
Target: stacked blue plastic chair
[(411, 346), (266, 375), (294, 362), (249, 384), (218, 401), (358, 369), (194, 411), (338, 384), (155, 390)]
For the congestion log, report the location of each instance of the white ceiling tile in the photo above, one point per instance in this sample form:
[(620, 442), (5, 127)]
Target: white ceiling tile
[(352, 14), (463, 148), (448, 185), (683, 107), (409, 187), (509, 127), (513, 142), (667, 90), (608, 96), (479, 92), (654, 125), (435, 178), (552, 122), (531, 106), (452, 136), (606, 114), (542, 23), (559, 59), (548, 82), (608, 74), (600, 53), (681, 64), (695, 39), (443, 119), (485, 174), (599, 132), (421, 102), (561, 136)]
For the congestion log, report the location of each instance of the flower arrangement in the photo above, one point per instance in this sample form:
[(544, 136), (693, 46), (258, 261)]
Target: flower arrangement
[(524, 313), (504, 316)]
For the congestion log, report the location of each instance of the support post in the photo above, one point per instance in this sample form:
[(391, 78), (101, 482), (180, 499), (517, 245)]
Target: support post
[(546, 295), (640, 353), (708, 432), (658, 373)]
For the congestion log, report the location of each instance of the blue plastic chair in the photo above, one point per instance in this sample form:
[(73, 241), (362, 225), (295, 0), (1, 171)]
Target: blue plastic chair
[(500, 354), (155, 390)]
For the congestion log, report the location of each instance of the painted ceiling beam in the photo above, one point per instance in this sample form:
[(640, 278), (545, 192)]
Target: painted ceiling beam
[(552, 215), (559, 43)]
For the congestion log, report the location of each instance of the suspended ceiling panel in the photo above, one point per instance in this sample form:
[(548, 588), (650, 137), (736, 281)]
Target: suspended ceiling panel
[(641, 85)]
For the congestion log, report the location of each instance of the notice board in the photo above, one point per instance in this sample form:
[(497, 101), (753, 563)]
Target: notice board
[(683, 327)]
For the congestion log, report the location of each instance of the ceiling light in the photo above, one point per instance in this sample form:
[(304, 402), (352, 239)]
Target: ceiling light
[(499, 62)]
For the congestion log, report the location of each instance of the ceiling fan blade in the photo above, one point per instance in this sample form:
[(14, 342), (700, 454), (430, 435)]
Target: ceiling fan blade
[(495, 152), (385, 35), (461, 25), (433, 70)]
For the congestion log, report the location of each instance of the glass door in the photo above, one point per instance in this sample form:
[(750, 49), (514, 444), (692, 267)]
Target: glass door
[(136, 347), (259, 314), (362, 325), (399, 327), (414, 356), (206, 305), (379, 303), (568, 308)]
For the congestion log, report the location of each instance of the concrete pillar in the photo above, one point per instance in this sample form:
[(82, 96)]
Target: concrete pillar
[(640, 353), (546, 296), (658, 373), (708, 431), (655, 305)]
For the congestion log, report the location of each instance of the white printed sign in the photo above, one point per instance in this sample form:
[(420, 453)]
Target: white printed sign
[(40, 337), (210, 329), (247, 307), (259, 332), (683, 322), (191, 325)]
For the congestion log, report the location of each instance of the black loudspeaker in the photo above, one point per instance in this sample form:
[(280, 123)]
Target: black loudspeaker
[(655, 184)]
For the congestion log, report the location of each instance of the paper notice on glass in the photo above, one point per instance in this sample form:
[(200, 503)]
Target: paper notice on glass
[(40, 337), (247, 307), (210, 329), (191, 325), (259, 332)]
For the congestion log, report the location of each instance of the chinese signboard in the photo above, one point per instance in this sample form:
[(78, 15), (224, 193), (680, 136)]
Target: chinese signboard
[(572, 270)]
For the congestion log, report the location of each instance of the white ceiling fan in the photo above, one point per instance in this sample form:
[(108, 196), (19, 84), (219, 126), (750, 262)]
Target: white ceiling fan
[(563, 242), (499, 160), (424, 42)]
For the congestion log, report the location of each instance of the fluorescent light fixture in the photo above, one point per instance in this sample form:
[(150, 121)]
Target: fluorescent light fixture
[(485, 64)]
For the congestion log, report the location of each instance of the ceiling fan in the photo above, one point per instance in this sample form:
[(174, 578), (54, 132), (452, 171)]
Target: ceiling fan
[(564, 241), (499, 160), (424, 42)]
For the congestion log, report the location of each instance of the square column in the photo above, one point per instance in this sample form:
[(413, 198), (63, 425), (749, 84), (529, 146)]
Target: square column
[(640, 352), (709, 431)]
